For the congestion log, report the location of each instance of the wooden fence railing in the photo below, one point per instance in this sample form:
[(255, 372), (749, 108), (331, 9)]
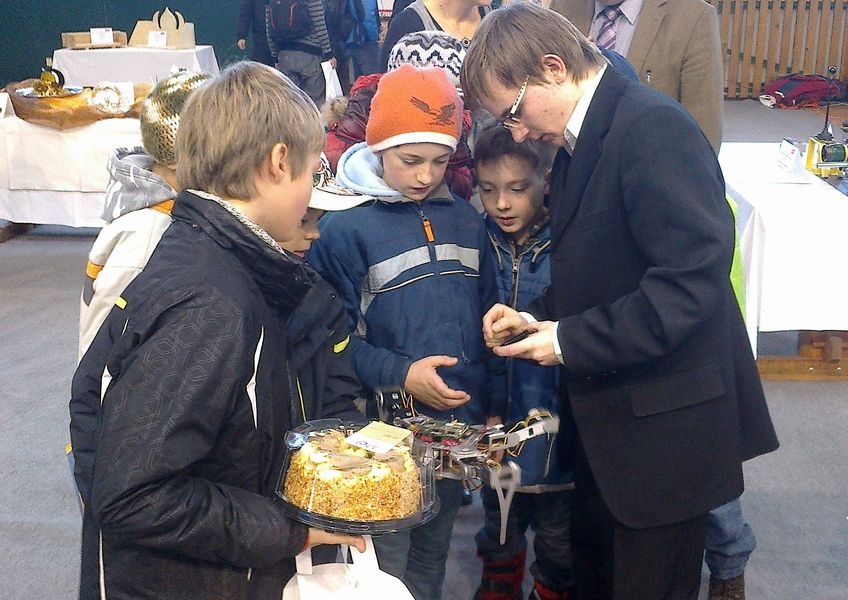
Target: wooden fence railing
[(763, 40)]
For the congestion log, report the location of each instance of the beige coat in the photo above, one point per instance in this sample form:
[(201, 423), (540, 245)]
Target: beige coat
[(676, 49)]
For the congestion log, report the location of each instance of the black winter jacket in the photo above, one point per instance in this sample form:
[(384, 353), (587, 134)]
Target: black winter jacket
[(179, 462), (252, 19)]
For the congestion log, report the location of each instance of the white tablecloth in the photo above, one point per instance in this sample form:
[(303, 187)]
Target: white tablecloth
[(58, 177), (139, 65), (792, 243)]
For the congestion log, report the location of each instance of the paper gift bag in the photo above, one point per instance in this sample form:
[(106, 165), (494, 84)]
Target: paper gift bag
[(334, 86), (362, 580)]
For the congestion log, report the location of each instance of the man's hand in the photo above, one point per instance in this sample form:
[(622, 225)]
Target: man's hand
[(538, 346), (316, 537), (333, 62), (426, 385), (502, 323), (241, 44)]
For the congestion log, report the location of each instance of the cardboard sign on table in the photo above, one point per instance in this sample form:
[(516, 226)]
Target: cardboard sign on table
[(178, 33)]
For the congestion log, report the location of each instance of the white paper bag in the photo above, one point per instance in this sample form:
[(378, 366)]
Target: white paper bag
[(362, 580), (334, 86)]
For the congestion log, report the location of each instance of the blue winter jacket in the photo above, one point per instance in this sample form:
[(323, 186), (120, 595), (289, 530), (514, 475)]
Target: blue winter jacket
[(408, 297), (524, 273)]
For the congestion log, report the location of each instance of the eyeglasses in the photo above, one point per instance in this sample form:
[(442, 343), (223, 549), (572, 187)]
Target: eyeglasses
[(511, 119)]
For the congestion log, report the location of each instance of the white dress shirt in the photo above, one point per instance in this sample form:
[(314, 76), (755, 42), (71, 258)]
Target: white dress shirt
[(572, 133)]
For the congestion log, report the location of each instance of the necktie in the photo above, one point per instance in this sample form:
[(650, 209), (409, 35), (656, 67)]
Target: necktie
[(606, 36)]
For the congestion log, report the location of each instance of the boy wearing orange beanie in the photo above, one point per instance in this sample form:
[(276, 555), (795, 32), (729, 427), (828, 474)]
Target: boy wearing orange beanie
[(417, 274)]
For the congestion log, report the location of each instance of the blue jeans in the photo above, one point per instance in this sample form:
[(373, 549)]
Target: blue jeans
[(418, 556), (729, 541), (304, 69), (549, 514)]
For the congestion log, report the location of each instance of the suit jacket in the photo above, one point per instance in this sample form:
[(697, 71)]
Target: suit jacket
[(659, 375), (676, 49)]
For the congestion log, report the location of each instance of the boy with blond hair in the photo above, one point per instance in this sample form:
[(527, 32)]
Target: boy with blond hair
[(180, 406), (416, 273)]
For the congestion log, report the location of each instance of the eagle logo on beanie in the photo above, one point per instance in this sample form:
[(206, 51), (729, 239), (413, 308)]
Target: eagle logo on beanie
[(444, 116), (414, 105)]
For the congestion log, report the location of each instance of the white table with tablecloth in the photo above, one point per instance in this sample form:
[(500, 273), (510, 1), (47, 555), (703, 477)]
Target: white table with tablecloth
[(793, 228), (58, 177), (139, 65)]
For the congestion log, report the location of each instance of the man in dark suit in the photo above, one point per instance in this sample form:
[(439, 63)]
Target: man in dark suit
[(676, 48), (659, 376), (674, 45)]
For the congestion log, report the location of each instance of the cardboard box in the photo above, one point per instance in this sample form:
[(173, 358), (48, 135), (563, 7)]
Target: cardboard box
[(81, 40)]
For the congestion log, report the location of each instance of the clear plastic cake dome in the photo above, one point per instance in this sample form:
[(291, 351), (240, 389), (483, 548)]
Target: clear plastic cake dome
[(357, 477)]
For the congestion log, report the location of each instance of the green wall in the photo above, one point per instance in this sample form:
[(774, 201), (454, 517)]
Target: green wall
[(31, 29)]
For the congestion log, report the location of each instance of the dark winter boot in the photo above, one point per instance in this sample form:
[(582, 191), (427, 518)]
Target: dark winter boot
[(728, 589), (540, 592), (502, 580)]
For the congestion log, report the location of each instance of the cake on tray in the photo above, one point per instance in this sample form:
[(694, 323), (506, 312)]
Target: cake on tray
[(329, 476)]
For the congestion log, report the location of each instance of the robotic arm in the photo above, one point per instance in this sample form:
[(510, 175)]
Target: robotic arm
[(462, 451)]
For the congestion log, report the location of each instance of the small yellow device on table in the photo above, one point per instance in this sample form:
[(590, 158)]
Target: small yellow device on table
[(825, 157)]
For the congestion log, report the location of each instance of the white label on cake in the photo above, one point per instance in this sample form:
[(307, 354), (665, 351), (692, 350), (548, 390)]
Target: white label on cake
[(378, 437)]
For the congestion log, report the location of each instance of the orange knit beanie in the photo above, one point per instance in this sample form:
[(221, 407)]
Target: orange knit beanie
[(414, 105)]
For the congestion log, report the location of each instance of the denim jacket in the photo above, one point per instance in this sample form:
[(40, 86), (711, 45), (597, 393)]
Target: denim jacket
[(523, 275)]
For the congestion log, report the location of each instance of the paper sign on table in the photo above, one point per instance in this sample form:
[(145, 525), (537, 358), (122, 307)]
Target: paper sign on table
[(788, 156), (789, 162), (101, 36), (157, 39)]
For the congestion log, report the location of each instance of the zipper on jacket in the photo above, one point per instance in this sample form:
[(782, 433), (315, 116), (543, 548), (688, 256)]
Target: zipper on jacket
[(516, 264), (300, 396), (425, 222), (516, 256)]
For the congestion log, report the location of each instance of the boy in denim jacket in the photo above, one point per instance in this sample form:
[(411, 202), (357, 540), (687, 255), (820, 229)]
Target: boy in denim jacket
[(512, 182)]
